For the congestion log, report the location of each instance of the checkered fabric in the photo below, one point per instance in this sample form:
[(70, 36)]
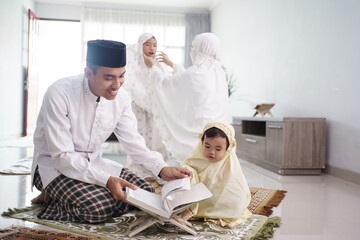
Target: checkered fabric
[(73, 200)]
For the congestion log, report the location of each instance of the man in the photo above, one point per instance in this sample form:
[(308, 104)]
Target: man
[(77, 115)]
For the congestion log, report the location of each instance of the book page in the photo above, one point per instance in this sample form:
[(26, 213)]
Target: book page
[(176, 199), (174, 185), (147, 201)]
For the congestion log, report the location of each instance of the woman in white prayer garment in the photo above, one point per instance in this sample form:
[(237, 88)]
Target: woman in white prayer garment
[(138, 84), (185, 101)]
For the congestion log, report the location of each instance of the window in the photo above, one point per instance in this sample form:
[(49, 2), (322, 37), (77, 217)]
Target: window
[(58, 53), (61, 50), (126, 26)]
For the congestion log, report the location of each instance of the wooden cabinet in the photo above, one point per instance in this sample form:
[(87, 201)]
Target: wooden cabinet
[(287, 146), (274, 143)]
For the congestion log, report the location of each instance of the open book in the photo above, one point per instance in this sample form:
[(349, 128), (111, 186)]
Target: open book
[(176, 196)]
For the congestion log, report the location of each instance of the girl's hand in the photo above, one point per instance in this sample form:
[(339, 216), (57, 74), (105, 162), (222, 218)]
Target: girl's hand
[(149, 61)]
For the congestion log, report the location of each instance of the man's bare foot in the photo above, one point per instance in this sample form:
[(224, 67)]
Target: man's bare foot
[(42, 198)]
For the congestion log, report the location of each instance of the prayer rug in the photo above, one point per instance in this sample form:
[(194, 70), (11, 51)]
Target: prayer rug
[(263, 200), (21, 167), (24, 233), (257, 227)]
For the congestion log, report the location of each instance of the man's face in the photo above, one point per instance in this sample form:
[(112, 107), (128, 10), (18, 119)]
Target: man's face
[(106, 82)]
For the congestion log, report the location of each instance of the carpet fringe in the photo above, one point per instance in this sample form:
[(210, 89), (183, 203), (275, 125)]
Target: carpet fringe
[(12, 211), (267, 230), (275, 201), (280, 195)]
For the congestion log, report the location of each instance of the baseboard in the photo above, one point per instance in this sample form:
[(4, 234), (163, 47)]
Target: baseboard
[(344, 174)]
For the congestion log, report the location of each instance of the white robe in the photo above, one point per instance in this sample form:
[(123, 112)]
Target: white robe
[(184, 102)]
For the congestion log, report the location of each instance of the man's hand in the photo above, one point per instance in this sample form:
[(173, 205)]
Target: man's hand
[(171, 173), (116, 184), (163, 57), (149, 61)]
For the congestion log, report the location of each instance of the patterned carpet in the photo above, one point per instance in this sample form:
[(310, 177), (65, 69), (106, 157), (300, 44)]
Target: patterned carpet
[(257, 227)]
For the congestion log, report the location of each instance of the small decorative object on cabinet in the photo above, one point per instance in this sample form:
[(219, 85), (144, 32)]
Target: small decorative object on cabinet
[(263, 109), (284, 145)]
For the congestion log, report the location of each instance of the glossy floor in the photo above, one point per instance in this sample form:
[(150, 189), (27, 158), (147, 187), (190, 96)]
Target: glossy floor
[(315, 207)]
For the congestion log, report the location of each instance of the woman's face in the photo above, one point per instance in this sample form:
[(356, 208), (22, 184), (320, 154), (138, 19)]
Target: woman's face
[(149, 47), (214, 149)]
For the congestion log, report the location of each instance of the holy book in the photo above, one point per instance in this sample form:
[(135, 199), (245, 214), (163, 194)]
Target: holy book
[(176, 196)]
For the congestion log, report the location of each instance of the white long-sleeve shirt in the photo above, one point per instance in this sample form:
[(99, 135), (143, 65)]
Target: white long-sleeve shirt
[(72, 126)]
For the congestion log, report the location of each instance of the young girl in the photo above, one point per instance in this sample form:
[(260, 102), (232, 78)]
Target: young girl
[(138, 85), (214, 162)]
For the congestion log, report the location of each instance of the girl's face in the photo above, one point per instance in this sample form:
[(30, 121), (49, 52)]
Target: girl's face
[(149, 47), (214, 149)]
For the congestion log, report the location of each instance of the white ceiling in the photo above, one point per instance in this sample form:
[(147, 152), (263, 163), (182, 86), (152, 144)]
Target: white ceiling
[(151, 4)]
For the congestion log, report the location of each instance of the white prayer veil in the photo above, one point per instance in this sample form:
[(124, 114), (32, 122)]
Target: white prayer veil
[(137, 77), (224, 178), (186, 101), (205, 49)]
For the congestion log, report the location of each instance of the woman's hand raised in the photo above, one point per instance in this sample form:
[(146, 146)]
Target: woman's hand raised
[(163, 57)]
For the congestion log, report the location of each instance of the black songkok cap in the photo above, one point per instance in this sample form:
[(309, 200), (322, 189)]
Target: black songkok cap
[(106, 53)]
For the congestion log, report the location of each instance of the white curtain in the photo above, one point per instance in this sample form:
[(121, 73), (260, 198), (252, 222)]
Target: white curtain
[(126, 26)]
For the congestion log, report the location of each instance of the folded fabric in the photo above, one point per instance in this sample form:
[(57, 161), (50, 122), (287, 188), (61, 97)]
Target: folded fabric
[(21, 167)]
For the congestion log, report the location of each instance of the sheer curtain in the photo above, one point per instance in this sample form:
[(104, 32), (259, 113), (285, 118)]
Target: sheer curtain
[(196, 23), (127, 25)]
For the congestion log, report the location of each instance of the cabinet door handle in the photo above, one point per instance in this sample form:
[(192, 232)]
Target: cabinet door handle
[(236, 124), (274, 126), (250, 140)]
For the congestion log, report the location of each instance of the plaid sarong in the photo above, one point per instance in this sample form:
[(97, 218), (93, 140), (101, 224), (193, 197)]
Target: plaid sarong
[(73, 200)]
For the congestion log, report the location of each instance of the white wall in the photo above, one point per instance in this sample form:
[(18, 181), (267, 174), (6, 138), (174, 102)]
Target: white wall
[(303, 55), (13, 60)]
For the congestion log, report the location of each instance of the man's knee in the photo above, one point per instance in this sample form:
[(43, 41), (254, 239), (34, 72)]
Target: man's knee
[(98, 212)]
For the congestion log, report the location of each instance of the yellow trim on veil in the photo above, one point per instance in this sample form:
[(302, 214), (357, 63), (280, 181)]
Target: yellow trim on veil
[(225, 180)]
